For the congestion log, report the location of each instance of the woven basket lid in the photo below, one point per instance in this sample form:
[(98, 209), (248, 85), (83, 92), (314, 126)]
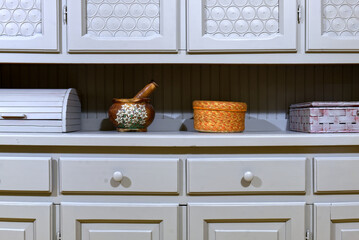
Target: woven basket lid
[(220, 106)]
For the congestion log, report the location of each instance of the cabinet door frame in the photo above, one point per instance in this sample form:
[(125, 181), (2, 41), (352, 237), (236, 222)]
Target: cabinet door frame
[(315, 41), (48, 41), (73, 215), (326, 214), (290, 214), (166, 41), (39, 215), (285, 42)]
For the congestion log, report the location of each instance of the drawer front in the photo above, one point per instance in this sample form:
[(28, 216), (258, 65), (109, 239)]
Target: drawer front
[(22, 174), (119, 221), (25, 221), (231, 176), (333, 174), (283, 221), (138, 176)]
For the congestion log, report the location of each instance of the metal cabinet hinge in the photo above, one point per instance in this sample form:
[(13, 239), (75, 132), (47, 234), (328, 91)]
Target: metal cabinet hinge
[(308, 235), (58, 236), (64, 10), (299, 13)]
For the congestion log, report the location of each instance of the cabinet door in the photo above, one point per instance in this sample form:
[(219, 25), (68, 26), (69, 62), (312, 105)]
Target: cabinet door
[(25, 221), (242, 25), (246, 221), (337, 221), (29, 26), (333, 25), (119, 221), (122, 26)]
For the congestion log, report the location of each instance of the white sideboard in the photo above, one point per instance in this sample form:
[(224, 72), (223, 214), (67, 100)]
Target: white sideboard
[(179, 200), (179, 31), (265, 183)]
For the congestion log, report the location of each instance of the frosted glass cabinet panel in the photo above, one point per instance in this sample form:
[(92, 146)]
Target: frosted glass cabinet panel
[(29, 25), (333, 25), (242, 25), (122, 25)]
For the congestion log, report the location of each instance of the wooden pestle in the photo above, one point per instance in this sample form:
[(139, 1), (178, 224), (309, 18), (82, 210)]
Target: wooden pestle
[(147, 90)]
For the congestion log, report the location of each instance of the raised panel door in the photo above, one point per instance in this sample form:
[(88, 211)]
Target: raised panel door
[(336, 221), (25, 221), (90, 221), (333, 25), (29, 25), (252, 221), (242, 25), (122, 26)]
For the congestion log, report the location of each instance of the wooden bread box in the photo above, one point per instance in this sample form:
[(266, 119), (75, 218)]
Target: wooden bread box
[(39, 110)]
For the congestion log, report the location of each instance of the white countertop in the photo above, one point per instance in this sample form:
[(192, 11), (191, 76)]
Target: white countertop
[(179, 139)]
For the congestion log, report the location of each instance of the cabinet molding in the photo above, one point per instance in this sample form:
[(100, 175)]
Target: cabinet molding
[(269, 26), (274, 221), (332, 27), (29, 26), (99, 26), (132, 221)]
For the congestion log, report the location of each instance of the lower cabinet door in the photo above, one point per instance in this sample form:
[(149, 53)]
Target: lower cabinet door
[(284, 221), (336, 221), (119, 221), (25, 221)]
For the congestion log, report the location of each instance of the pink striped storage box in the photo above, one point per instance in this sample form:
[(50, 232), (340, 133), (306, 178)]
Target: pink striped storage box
[(324, 117)]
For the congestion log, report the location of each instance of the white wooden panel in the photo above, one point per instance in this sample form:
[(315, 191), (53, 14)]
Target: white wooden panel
[(226, 175), (15, 234), (25, 221), (248, 235), (25, 174), (139, 175), (238, 27), (92, 32), (332, 26), (29, 27), (349, 234), (30, 129), (119, 220), (257, 217), (17, 230), (336, 221), (336, 174), (114, 235)]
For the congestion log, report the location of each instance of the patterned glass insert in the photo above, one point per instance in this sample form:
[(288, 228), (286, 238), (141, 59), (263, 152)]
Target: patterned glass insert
[(123, 18), (20, 18), (241, 18), (340, 18)]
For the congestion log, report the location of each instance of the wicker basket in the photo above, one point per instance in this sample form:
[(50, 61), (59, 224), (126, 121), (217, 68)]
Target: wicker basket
[(219, 116), (324, 117)]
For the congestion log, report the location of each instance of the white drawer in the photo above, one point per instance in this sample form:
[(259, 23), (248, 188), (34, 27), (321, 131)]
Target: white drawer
[(119, 221), (335, 174), (247, 175), (114, 175), (25, 174)]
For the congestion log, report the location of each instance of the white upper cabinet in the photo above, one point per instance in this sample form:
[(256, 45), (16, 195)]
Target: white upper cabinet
[(29, 26), (122, 26), (333, 25), (242, 25)]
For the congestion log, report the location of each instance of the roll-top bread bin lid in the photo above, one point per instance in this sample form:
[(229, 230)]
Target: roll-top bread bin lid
[(39, 110)]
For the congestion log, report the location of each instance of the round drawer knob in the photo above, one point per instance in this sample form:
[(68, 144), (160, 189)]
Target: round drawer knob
[(117, 176), (248, 176)]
